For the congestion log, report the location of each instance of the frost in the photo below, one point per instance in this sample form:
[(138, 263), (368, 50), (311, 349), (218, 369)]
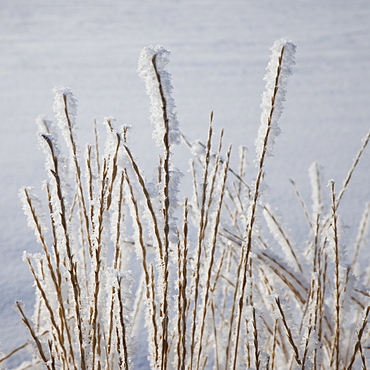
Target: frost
[(152, 63), (65, 104), (32, 208), (314, 174), (276, 229), (65, 108), (278, 71)]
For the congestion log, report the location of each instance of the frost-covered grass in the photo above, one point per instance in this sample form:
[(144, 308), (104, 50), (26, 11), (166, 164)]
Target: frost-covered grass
[(130, 275)]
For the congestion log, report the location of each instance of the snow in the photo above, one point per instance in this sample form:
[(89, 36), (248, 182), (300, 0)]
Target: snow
[(219, 52)]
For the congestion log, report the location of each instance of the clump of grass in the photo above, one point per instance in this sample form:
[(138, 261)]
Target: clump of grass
[(218, 280)]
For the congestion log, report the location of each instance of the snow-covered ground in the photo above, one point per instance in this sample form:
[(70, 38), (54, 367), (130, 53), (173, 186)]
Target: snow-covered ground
[(220, 50)]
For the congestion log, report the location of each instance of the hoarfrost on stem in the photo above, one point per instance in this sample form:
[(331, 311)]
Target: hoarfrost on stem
[(152, 63), (32, 208), (278, 71), (64, 101), (315, 179)]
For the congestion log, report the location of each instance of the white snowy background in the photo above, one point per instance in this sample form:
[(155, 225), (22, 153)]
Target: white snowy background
[(220, 50)]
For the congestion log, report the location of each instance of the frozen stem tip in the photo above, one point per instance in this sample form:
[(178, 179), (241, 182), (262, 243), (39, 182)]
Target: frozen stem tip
[(152, 69), (278, 71), (65, 107)]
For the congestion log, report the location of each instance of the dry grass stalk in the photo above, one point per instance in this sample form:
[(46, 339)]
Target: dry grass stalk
[(207, 290), (72, 267), (358, 346), (247, 246), (166, 216), (286, 239), (255, 340), (149, 281), (200, 245), (33, 334), (335, 356), (302, 203), (273, 352), (288, 331), (304, 358), (148, 201), (352, 169), (123, 327), (77, 168), (361, 233), (184, 284)]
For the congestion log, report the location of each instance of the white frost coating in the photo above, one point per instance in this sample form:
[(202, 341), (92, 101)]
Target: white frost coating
[(46, 126), (314, 174), (32, 208), (147, 73), (174, 184), (276, 226), (273, 107), (62, 94)]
